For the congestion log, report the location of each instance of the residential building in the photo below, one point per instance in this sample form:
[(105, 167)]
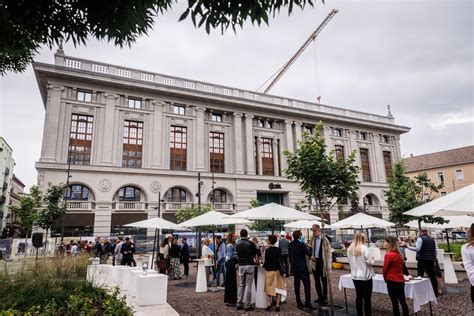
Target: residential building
[(16, 191), (6, 172), (454, 168), (131, 135)]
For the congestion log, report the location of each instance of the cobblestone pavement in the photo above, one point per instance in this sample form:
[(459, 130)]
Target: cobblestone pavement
[(183, 298)]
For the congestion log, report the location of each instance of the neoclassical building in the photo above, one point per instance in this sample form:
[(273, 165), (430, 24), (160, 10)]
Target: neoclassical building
[(131, 135)]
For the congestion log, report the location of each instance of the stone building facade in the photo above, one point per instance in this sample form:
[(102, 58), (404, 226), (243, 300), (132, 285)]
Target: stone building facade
[(131, 135), (6, 172)]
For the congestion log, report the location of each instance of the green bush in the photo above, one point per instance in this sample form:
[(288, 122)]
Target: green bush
[(455, 248), (56, 287)]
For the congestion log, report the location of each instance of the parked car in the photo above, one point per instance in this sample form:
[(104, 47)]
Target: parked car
[(459, 235)]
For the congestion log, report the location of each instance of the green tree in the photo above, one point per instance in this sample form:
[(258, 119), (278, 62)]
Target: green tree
[(405, 194), (26, 25), (55, 209), (261, 225), (184, 214), (28, 211), (321, 176)]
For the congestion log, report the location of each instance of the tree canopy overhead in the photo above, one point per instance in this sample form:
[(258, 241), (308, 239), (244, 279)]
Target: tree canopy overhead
[(25, 25)]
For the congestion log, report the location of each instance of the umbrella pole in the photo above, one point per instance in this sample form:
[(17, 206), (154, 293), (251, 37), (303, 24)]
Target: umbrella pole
[(447, 239), (153, 252), (273, 226), (215, 250)]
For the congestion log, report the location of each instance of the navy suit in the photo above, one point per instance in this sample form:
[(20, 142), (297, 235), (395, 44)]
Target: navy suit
[(298, 253)]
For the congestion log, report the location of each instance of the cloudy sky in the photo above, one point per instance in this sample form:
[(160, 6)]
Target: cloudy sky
[(416, 56)]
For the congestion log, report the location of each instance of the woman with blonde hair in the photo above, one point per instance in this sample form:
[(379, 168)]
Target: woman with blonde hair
[(361, 261), (467, 251), (208, 255)]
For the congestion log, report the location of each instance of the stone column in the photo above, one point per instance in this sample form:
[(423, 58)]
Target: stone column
[(108, 129), (249, 140), (239, 167), (102, 219), (259, 155), (275, 157), (378, 160), (51, 125), (354, 146), (157, 152), (328, 139), (200, 139), (297, 134), (397, 155), (288, 142)]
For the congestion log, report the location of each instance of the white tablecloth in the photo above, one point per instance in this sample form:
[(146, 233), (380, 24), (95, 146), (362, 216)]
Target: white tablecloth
[(420, 291)]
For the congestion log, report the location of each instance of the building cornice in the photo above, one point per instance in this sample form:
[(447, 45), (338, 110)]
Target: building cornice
[(197, 90)]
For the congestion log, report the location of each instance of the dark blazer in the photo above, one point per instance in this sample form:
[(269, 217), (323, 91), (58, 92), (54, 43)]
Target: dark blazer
[(185, 251), (298, 253), (272, 259)]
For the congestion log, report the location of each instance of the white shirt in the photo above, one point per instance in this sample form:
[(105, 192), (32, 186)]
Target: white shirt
[(361, 266), (206, 252), (468, 261)]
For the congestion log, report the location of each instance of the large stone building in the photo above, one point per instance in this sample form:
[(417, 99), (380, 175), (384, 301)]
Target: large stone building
[(132, 134), (11, 220), (6, 172), (454, 168)]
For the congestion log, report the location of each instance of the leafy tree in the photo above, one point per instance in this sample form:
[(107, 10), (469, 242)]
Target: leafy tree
[(184, 214), (28, 210), (405, 194), (301, 205), (55, 208), (26, 25), (321, 176)]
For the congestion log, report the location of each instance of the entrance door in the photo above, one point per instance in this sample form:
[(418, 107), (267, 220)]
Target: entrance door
[(265, 198)]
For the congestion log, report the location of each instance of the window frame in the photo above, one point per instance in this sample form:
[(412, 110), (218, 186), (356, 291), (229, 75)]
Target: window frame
[(216, 152), (134, 101), (80, 139), (69, 193), (339, 152), (132, 144), (338, 132), (267, 156), (365, 165), (440, 177), (178, 147), (172, 198), (363, 135), (388, 165), (179, 109), (124, 198), (216, 117), (84, 93), (456, 174)]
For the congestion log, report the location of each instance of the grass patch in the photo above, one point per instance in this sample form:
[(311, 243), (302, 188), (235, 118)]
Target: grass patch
[(55, 286), (455, 248)]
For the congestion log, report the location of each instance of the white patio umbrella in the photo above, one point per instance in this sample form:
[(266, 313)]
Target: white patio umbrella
[(156, 223), (459, 202), (305, 224), (213, 218), (273, 211), (454, 221), (361, 220)]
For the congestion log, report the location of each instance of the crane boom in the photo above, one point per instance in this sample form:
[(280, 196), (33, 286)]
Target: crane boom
[(290, 62)]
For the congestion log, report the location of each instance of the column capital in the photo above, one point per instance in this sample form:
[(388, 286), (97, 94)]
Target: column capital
[(249, 116), (55, 87), (111, 95), (158, 102), (236, 114), (298, 124), (200, 109), (288, 122)]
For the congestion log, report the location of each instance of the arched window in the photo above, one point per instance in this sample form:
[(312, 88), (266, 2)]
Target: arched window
[(129, 194), (371, 199), (220, 196), (77, 192), (176, 195)]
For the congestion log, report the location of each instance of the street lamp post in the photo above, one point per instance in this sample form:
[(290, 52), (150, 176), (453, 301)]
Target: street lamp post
[(200, 183)]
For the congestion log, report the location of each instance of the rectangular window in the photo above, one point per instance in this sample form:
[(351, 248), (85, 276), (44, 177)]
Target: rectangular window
[(179, 109), (255, 146), (132, 144), (338, 132), (178, 148), (216, 150), (459, 175), (84, 95), (339, 152), (308, 128), (80, 139), (387, 160), (443, 193), (279, 157), (216, 117), (386, 139), (440, 177), (364, 159), (134, 103), (363, 135), (267, 157)]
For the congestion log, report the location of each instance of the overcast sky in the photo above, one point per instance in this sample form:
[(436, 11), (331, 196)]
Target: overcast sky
[(416, 56)]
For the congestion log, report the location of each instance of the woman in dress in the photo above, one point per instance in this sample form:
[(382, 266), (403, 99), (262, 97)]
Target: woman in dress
[(175, 255), (393, 276), (230, 294), (361, 261), (274, 281), (208, 255), (467, 252)]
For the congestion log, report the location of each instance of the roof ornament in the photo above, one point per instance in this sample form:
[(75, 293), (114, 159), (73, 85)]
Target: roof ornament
[(60, 50), (389, 112)]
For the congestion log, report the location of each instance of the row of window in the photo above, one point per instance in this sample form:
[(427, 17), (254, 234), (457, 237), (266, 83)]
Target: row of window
[(77, 192), (458, 174)]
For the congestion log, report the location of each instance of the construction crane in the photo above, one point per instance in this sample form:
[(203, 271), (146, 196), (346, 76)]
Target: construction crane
[(280, 72)]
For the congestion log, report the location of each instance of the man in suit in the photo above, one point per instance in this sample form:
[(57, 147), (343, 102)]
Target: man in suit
[(185, 256), (298, 253), (321, 257)]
